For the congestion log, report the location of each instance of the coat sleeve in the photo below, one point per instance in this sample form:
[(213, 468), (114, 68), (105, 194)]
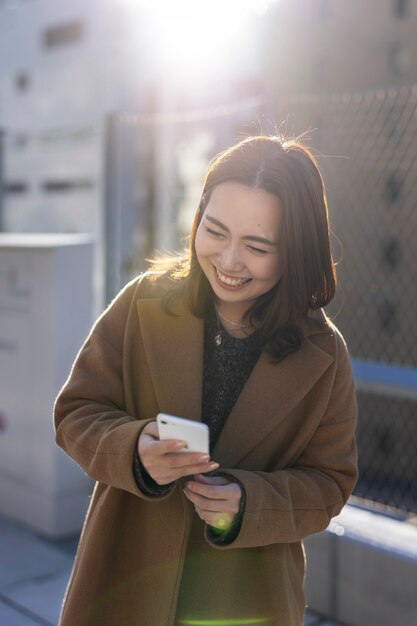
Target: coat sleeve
[(286, 505), (91, 423)]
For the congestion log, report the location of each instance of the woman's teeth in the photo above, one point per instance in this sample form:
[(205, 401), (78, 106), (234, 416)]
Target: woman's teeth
[(232, 282)]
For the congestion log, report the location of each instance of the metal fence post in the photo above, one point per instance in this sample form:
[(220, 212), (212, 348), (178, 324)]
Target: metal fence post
[(110, 207), (1, 179)]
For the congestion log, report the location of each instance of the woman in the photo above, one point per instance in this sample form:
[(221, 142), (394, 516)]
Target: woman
[(232, 334)]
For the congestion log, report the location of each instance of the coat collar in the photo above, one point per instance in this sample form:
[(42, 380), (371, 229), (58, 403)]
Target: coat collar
[(174, 349)]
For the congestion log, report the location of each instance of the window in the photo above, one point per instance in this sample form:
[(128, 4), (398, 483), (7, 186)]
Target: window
[(63, 34), (387, 314), (11, 4), (398, 58), (20, 141), (391, 253), (15, 187), (65, 186), (393, 189), (323, 8), (401, 8), (22, 82)]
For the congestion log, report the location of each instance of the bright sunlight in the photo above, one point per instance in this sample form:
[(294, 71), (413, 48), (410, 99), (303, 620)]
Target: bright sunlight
[(194, 36)]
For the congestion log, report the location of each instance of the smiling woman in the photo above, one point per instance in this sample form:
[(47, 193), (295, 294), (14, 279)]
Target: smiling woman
[(231, 334)]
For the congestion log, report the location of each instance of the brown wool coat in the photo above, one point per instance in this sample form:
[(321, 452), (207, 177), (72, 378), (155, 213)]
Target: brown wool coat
[(289, 440)]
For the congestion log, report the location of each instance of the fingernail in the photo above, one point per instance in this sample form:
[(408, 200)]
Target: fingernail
[(204, 458), (214, 465), (180, 444)]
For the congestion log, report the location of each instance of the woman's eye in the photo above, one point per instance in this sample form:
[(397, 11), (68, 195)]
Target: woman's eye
[(215, 233), (258, 250)]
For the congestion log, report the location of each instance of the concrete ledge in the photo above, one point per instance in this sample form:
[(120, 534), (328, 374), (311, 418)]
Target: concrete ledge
[(362, 570)]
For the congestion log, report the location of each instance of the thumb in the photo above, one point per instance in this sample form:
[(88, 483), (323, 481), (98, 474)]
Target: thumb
[(152, 430), (211, 480)]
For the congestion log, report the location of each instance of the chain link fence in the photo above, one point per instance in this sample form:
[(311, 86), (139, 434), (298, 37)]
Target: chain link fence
[(366, 145)]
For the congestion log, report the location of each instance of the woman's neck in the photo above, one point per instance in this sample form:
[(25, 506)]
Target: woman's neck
[(233, 320)]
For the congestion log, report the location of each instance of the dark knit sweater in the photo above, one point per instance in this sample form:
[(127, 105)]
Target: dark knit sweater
[(226, 369)]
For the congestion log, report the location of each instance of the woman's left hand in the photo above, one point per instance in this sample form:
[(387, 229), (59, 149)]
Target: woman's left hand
[(216, 499)]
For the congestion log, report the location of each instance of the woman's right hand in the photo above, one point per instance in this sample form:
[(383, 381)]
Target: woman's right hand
[(163, 461)]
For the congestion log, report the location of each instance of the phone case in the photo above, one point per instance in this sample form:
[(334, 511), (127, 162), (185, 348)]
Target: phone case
[(195, 434)]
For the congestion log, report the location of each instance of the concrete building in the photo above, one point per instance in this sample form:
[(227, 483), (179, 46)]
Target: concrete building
[(73, 161), (338, 46), (62, 71)]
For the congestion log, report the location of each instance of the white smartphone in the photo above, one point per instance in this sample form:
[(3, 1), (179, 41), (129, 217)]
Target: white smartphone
[(195, 434)]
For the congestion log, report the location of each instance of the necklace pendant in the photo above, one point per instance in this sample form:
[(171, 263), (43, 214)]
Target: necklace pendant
[(218, 338)]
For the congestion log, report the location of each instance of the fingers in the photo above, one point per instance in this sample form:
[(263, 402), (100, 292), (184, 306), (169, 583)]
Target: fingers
[(207, 505), (150, 437), (216, 504), (165, 461), (210, 490), (165, 464), (166, 446), (222, 521), (167, 468), (193, 462), (211, 480), (151, 429), (217, 513)]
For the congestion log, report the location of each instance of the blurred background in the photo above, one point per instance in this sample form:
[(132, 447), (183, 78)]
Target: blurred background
[(109, 113)]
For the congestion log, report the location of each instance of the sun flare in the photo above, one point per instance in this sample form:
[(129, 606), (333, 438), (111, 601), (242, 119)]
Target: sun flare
[(192, 36)]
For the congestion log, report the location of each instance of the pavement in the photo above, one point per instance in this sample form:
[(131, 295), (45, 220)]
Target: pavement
[(34, 572)]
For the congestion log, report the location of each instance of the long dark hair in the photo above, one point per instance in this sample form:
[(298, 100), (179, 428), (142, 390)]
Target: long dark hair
[(287, 169)]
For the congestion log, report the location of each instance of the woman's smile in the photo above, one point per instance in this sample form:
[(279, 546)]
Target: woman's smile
[(230, 282)]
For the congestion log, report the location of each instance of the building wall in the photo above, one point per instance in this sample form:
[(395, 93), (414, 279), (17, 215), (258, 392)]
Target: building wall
[(335, 45), (64, 67), (77, 63)]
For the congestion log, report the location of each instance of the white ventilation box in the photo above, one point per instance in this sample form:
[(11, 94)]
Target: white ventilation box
[(45, 314)]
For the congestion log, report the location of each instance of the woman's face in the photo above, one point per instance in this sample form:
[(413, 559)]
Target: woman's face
[(238, 245)]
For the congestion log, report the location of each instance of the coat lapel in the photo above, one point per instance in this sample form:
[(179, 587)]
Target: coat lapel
[(270, 393), (174, 349)]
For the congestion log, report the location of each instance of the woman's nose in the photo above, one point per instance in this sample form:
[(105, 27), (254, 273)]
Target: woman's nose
[(230, 259)]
